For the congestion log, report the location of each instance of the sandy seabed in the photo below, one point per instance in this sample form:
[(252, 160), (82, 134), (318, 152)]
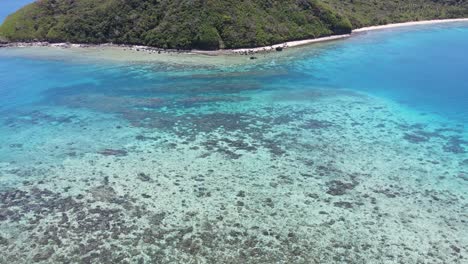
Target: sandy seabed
[(341, 177)]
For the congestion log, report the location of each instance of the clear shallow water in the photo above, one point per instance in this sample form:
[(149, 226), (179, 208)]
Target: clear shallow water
[(350, 152)]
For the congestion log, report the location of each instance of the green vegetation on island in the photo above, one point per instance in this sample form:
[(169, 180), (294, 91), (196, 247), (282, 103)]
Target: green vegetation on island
[(211, 24)]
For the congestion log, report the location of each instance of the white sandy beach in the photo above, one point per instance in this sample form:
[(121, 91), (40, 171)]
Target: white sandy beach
[(274, 47), (408, 24)]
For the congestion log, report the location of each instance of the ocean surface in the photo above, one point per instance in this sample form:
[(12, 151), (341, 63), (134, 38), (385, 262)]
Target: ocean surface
[(353, 151)]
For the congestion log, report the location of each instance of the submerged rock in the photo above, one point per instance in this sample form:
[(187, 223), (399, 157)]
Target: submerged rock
[(44, 255), (143, 177), (415, 138), (463, 176), (337, 187), (113, 152), (316, 124), (455, 145), (346, 205), (3, 241)]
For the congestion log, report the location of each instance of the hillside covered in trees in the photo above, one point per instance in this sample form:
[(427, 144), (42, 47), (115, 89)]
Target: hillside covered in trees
[(211, 24)]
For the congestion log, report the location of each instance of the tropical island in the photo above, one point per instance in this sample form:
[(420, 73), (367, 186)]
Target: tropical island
[(211, 25), (191, 131)]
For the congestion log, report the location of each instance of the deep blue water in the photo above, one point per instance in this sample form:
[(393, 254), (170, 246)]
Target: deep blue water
[(421, 67)]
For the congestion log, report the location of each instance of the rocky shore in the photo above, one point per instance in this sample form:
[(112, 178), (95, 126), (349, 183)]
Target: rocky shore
[(154, 50)]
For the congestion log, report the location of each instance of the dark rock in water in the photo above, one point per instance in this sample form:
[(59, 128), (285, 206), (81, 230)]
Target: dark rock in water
[(463, 176), (157, 219), (279, 48), (241, 194), (143, 138), (253, 58), (103, 193), (388, 192), (269, 202), (144, 177), (346, 205), (42, 256), (113, 152), (455, 145), (415, 138), (455, 248), (457, 149), (337, 188), (316, 124), (3, 241)]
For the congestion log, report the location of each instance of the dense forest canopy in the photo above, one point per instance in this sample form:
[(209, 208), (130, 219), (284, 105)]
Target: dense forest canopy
[(211, 24)]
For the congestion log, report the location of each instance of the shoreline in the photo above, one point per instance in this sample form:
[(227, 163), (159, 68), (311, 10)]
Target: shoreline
[(227, 52), (275, 47), (409, 24), (241, 51)]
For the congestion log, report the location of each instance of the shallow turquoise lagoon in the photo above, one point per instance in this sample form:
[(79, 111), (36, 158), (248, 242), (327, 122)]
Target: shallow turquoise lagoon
[(347, 152)]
